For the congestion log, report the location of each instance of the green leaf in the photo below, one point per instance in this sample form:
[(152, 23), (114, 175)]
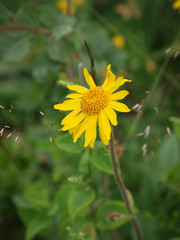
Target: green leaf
[(64, 27), (176, 123), (65, 143), (37, 194), (17, 52), (84, 163), (25, 209), (78, 200), (167, 157), (59, 51), (130, 198), (100, 158), (172, 178), (114, 214), (12, 5), (3, 12), (49, 15), (28, 15), (36, 225), (61, 199)]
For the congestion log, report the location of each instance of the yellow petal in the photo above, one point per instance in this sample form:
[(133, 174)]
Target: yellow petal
[(101, 133), (89, 79), (104, 122), (68, 105), (111, 115), (74, 95), (77, 88), (119, 82), (121, 107), (74, 129), (110, 78), (70, 116), (93, 140), (119, 95), (75, 121), (91, 130), (83, 126)]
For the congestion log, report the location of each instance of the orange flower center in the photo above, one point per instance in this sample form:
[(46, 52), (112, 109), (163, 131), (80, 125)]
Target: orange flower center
[(94, 101)]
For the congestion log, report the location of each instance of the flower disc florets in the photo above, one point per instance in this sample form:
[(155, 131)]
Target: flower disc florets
[(94, 101)]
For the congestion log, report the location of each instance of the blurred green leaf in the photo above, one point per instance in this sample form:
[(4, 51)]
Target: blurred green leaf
[(176, 123), (37, 193), (49, 15), (114, 214), (3, 11), (12, 5), (168, 156), (26, 210), (61, 199), (17, 52), (36, 225), (172, 178), (64, 26), (59, 51), (100, 158), (79, 199), (84, 162), (65, 143), (27, 14)]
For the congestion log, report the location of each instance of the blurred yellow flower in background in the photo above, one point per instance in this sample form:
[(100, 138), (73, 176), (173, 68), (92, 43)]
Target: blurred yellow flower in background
[(118, 41), (91, 106), (63, 5), (129, 10), (150, 66), (176, 5)]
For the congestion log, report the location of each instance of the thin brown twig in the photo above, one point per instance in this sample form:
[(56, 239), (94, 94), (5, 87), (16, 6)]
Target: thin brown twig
[(93, 72), (39, 30)]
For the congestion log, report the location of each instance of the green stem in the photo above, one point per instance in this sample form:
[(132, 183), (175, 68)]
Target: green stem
[(122, 188)]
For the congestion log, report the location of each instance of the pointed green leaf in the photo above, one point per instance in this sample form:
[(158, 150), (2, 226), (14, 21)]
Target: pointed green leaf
[(114, 214), (37, 194), (100, 158), (78, 200), (65, 143), (36, 225)]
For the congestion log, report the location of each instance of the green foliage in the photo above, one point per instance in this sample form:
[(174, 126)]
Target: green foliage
[(78, 200), (115, 213), (100, 158), (64, 142), (52, 188)]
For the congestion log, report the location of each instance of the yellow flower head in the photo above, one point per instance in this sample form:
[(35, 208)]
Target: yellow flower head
[(118, 41), (91, 106), (176, 5), (63, 5)]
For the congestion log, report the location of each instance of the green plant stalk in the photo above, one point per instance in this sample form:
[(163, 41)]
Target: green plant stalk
[(122, 187)]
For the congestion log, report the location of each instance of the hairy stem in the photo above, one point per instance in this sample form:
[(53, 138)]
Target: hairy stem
[(122, 188)]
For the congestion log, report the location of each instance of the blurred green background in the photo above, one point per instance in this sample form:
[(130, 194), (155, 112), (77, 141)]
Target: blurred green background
[(41, 51)]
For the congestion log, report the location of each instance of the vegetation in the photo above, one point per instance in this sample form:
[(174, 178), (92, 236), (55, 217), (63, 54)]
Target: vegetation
[(52, 188)]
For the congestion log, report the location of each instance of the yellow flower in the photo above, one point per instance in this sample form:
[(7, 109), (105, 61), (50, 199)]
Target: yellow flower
[(63, 5), (118, 41), (176, 5), (92, 106), (150, 66)]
